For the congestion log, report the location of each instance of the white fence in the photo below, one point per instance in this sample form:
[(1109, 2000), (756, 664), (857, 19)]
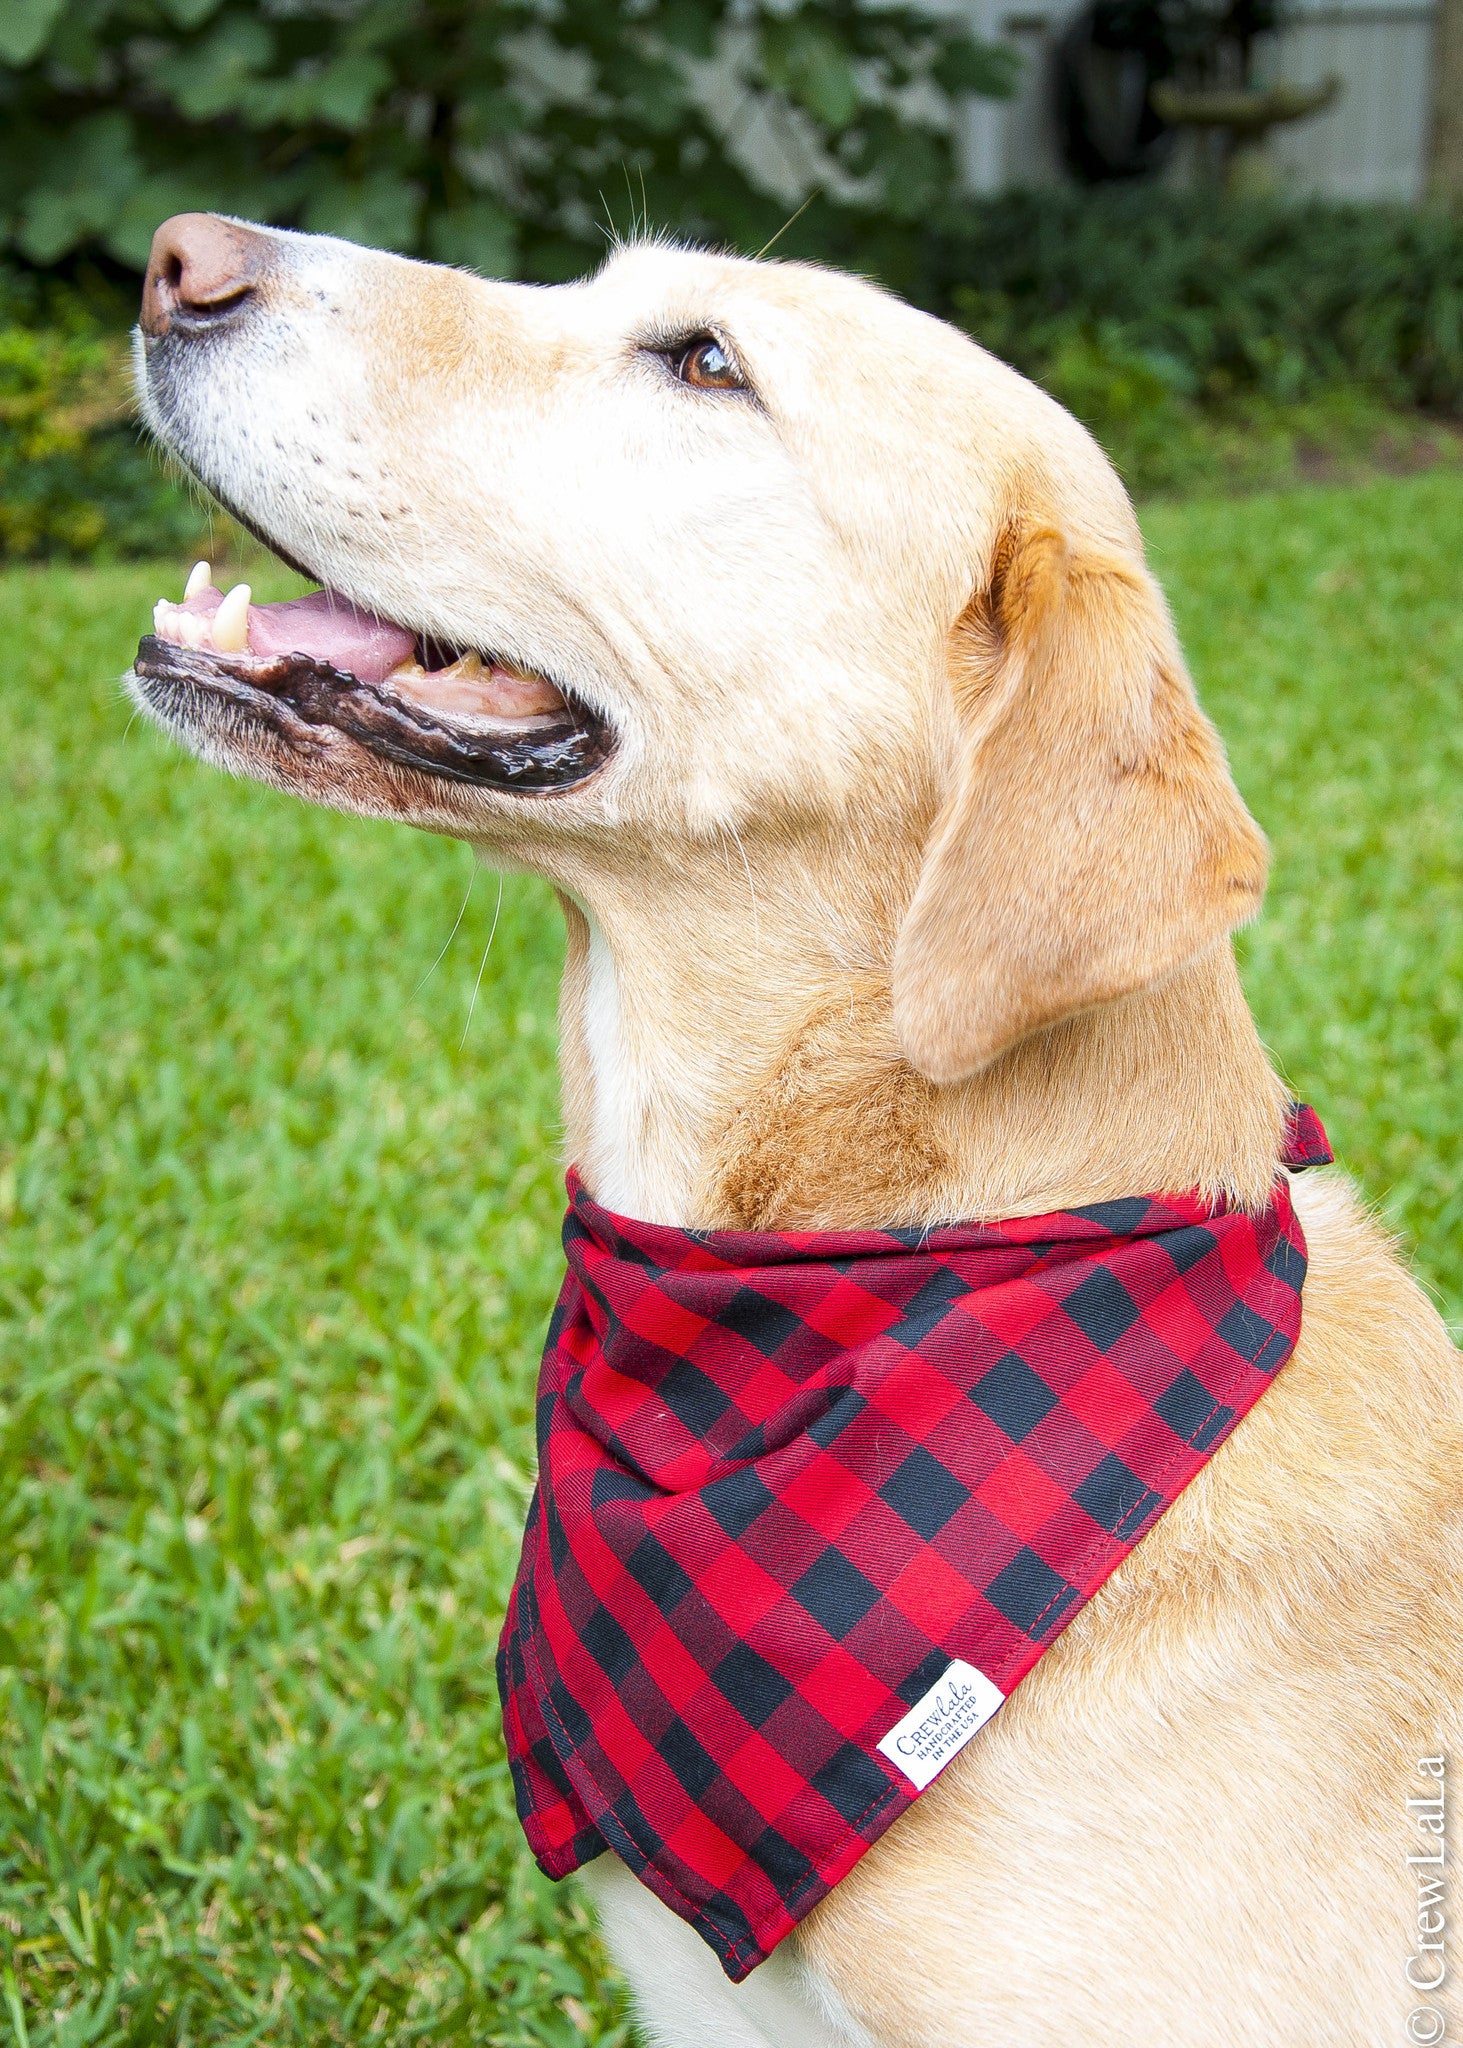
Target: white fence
[(1370, 144)]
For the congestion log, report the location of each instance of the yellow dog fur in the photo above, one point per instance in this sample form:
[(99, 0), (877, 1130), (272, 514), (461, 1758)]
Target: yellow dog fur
[(907, 896)]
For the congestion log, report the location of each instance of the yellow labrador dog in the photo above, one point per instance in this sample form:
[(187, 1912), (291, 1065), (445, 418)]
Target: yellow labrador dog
[(811, 654)]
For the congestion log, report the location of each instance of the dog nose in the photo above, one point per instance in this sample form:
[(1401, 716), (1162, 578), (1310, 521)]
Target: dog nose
[(202, 272)]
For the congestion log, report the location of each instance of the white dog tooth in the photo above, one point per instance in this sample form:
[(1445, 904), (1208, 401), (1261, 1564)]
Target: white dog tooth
[(231, 622), (171, 622), (200, 578)]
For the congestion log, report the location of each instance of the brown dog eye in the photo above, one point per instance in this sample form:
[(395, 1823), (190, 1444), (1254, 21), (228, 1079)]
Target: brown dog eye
[(707, 366)]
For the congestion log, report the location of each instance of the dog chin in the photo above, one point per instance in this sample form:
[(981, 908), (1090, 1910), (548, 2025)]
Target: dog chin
[(317, 764)]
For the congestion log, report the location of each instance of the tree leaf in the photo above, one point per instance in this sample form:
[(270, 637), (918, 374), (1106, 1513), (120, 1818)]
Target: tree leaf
[(911, 169), (191, 13), (807, 62), (688, 26), (24, 27), (342, 93), (658, 90), (965, 65), (382, 210), (480, 236), (215, 76), (187, 188), (90, 170), (485, 115)]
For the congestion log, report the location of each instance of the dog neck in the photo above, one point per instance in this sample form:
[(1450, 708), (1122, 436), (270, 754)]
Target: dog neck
[(729, 1061), (683, 981)]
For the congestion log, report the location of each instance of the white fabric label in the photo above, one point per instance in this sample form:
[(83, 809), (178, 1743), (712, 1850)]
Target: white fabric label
[(956, 1707)]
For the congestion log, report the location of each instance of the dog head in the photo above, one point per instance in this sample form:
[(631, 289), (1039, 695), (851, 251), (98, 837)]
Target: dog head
[(696, 547)]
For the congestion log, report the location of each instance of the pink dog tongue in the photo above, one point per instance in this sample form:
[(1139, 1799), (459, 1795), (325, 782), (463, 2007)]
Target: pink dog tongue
[(324, 626), (330, 629)]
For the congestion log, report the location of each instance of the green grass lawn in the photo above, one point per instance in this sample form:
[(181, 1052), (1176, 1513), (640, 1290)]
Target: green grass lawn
[(278, 1238)]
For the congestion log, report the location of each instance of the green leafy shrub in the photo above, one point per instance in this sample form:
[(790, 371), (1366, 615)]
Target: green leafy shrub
[(1217, 296), (75, 478), (511, 137), (1199, 336), (503, 135)]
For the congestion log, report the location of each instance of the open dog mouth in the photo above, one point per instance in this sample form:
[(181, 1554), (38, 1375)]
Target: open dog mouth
[(321, 661)]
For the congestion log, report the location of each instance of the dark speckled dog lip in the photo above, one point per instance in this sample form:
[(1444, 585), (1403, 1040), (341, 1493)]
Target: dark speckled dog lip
[(551, 752)]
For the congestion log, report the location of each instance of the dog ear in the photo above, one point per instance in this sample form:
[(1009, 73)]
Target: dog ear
[(1093, 840)]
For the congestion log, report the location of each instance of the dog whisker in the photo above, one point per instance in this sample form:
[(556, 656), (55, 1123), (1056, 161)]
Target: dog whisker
[(457, 925), (482, 964)]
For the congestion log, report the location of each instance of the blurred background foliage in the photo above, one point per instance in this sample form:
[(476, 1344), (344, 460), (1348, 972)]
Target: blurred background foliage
[(495, 135), (1200, 335)]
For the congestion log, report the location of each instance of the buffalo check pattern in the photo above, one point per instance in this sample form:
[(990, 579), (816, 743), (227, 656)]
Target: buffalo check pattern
[(786, 1477)]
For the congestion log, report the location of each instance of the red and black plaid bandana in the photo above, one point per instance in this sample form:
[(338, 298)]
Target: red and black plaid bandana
[(811, 1504)]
